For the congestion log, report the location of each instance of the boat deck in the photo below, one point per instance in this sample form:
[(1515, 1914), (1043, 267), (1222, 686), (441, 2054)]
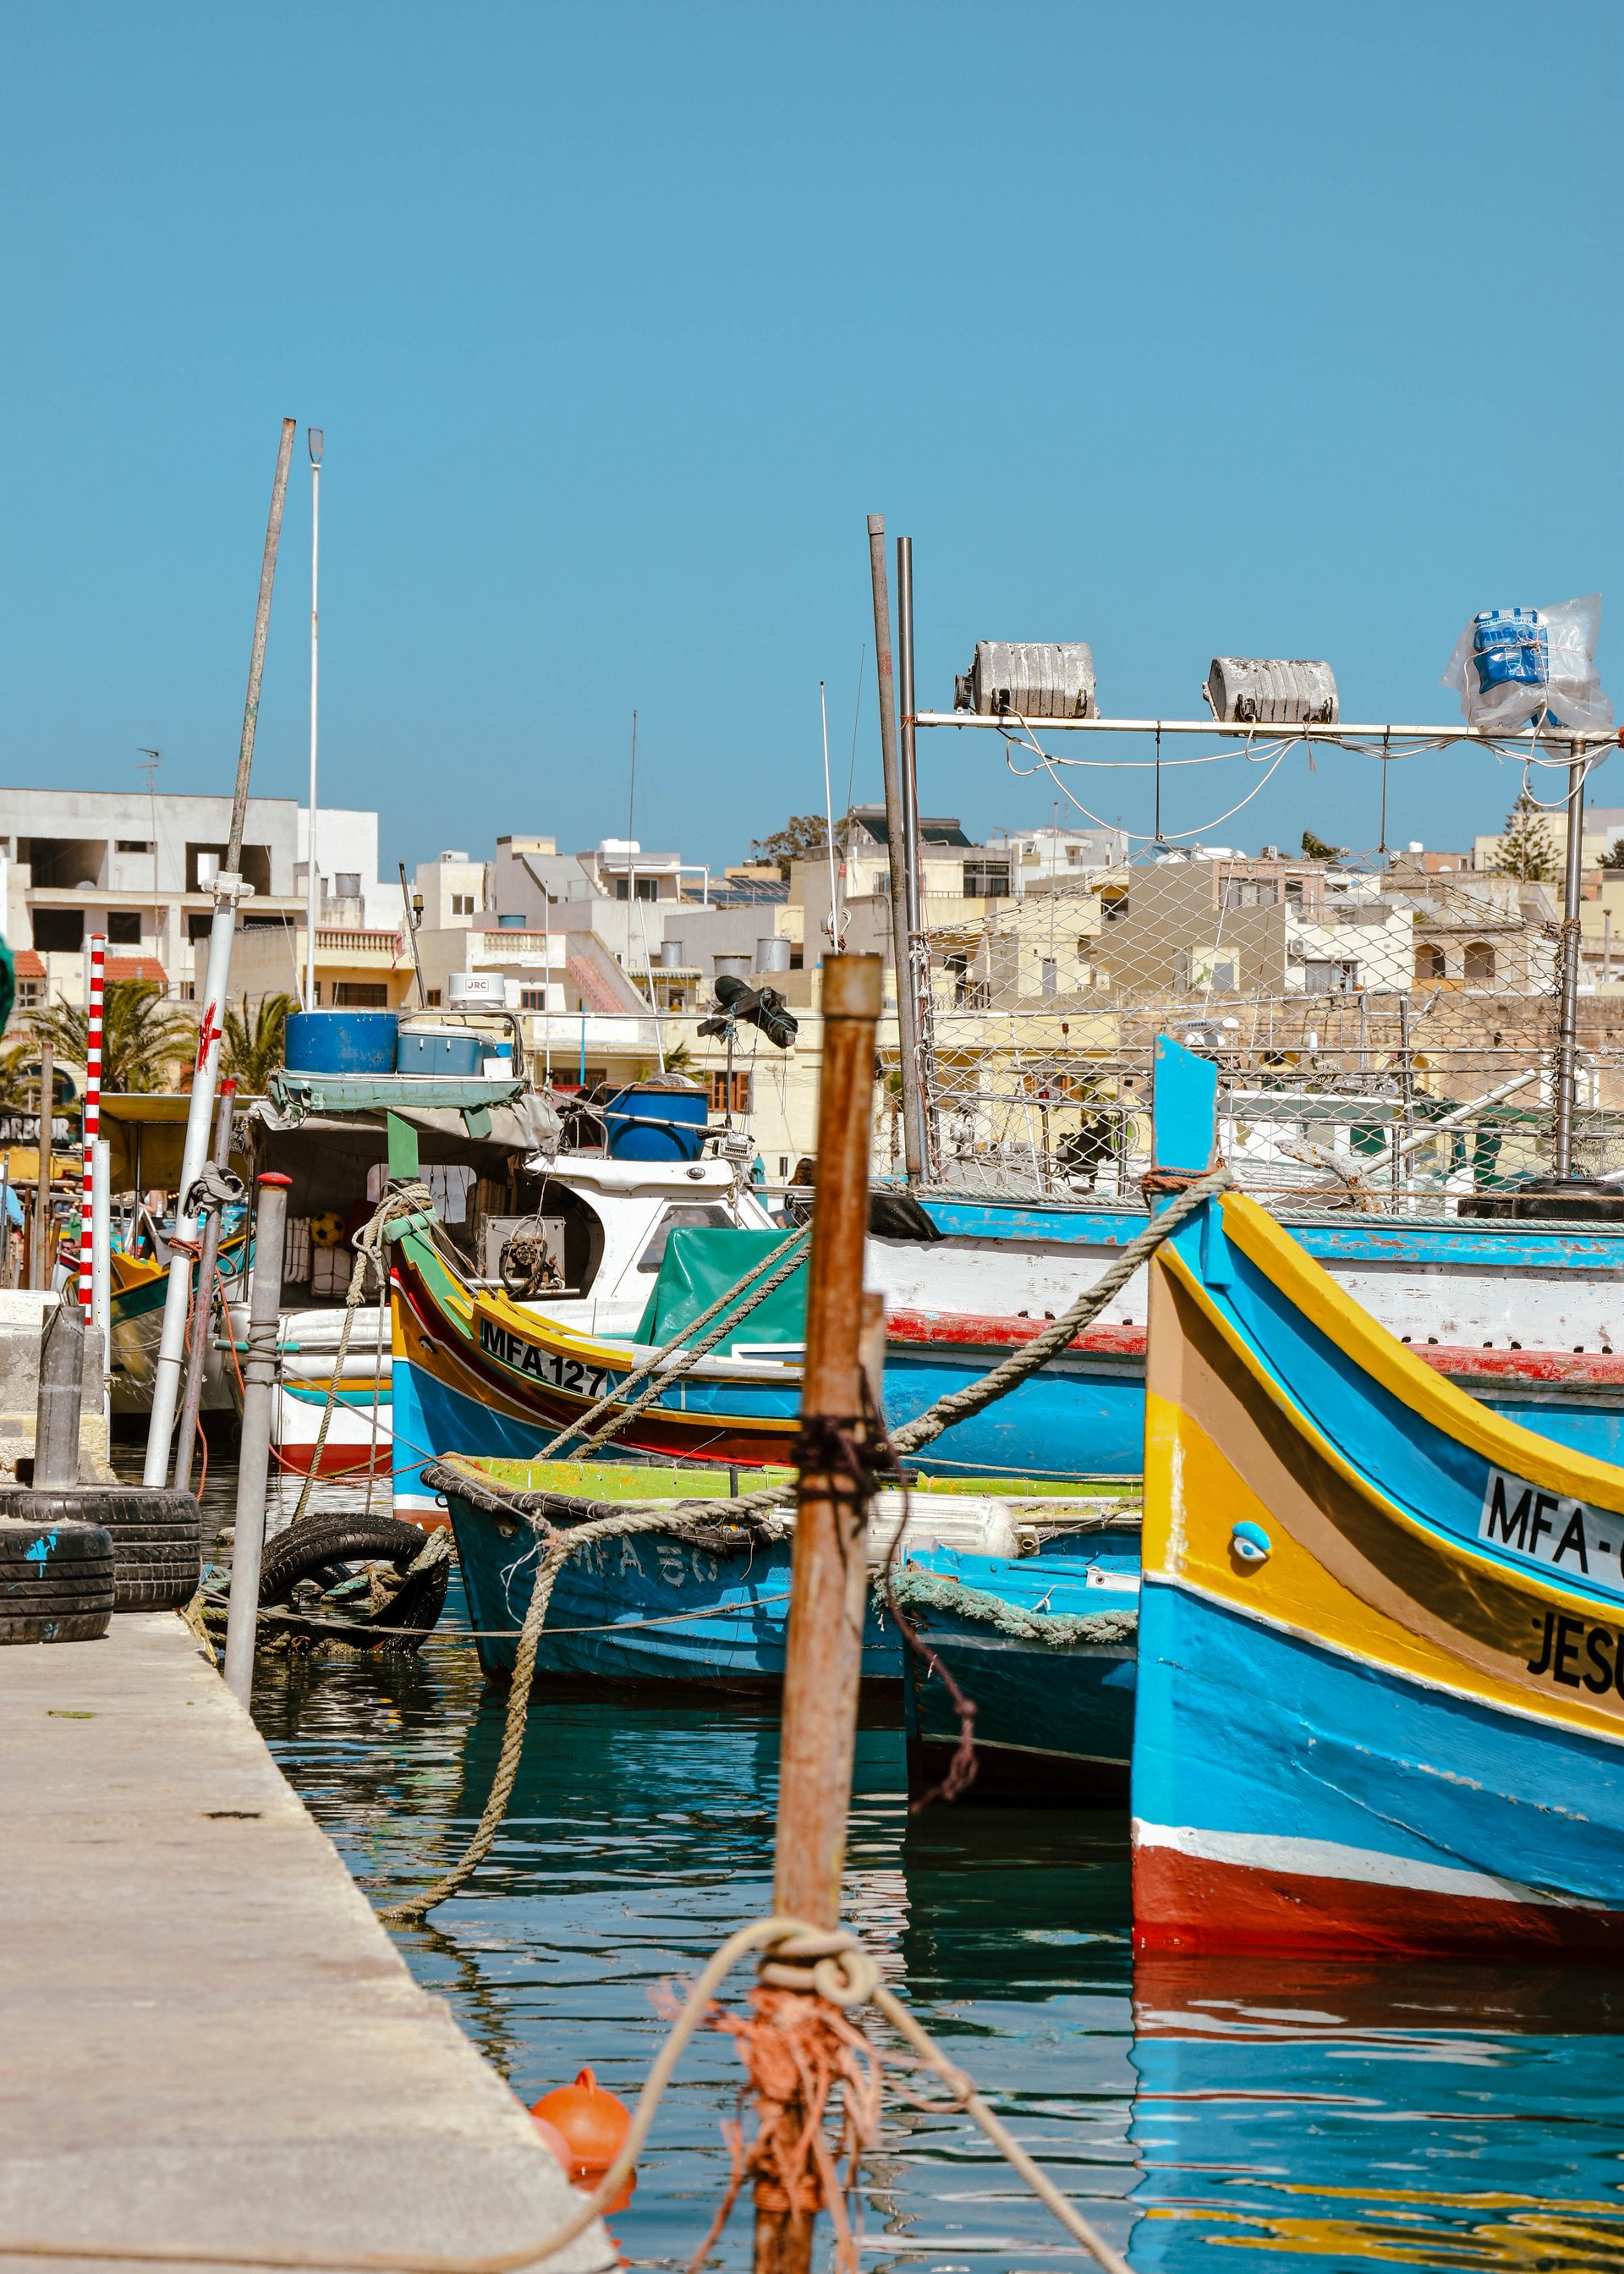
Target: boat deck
[(211, 2046)]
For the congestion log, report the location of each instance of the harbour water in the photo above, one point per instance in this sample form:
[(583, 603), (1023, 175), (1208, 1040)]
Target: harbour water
[(1452, 2117)]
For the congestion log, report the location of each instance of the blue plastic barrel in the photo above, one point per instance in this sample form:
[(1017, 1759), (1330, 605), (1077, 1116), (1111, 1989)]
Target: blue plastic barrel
[(650, 1123), (451, 1052), (340, 1041)]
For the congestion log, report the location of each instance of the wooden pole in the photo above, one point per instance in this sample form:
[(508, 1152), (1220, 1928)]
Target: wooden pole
[(40, 1257), (830, 1578)]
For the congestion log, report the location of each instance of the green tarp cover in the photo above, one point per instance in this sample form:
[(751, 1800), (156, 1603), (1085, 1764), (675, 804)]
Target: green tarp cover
[(701, 1264)]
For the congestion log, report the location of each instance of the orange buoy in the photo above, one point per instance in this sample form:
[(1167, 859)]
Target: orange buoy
[(592, 2125), (556, 2145)]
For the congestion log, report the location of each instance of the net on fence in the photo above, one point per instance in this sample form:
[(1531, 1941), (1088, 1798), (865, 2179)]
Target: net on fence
[(1386, 1030)]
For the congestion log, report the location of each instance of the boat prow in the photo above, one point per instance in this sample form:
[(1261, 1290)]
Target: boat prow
[(1381, 1672)]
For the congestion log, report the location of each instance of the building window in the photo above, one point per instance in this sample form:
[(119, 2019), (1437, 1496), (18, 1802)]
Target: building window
[(58, 931), (1222, 980), (1479, 963), (1250, 892), (361, 995), (717, 1085), (124, 926), (462, 904), (433, 998), (1050, 976), (198, 926), (1429, 962), (985, 880), (532, 998), (30, 994), (134, 845), (1328, 978)]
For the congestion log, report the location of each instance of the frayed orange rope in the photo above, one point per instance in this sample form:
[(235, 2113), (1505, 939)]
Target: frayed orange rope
[(798, 2049)]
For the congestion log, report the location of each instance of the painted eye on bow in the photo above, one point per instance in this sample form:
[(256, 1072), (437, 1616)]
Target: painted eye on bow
[(1249, 1543)]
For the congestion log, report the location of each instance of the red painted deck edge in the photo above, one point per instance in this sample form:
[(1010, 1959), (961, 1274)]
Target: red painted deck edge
[(971, 1330), (1187, 1903)]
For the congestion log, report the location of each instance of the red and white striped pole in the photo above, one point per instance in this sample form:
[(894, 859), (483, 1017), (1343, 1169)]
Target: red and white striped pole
[(92, 1124)]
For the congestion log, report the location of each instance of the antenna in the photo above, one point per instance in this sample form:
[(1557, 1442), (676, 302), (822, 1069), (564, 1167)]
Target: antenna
[(148, 764)]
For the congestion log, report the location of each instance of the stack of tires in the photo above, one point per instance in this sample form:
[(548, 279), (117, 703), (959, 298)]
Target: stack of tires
[(71, 1557)]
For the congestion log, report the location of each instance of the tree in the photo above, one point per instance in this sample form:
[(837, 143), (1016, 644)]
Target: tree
[(803, 835), (1613, 857), (144, 1039), (254, 1042), (1525, 849), (1315, 848)]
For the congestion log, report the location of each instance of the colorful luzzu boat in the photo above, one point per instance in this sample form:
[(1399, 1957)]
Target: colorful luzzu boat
[(138, 1286), (1381, 1700)]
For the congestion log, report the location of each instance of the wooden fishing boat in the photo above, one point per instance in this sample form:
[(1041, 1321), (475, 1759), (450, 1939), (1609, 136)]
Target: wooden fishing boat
[(659, 1607), (1045, 1645), (138, 1288), (1381, 1694)]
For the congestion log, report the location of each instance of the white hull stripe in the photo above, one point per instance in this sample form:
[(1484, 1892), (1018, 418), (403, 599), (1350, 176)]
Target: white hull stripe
[(1329, 1859)]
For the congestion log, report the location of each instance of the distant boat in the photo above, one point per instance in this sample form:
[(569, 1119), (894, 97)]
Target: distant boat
[(1380, 1701)]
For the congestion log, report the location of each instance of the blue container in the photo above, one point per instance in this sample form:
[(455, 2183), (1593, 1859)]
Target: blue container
[(340, 1041), (649, 1124), (454, 1053)]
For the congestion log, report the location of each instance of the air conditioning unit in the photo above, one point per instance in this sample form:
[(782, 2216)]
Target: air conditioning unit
[(1035, 679), (1270, 691)]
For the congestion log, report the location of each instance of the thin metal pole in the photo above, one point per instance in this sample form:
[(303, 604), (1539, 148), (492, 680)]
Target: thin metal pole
[(256, 659), (5, 1219), (828, 823), (1567, 1033), (39, 1261), (94, 999), (210, 1029), (411, 934), (101, 1266), (913, 856), (258, 1392), (829, 1578), (313, 436), (907, 1040), (203, 1301)]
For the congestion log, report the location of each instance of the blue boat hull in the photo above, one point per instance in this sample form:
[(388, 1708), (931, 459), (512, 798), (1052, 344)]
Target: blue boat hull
[(652, 1608)]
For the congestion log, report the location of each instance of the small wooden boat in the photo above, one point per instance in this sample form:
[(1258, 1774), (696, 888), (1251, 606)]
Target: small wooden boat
[(660, 1606), (1380, 1696), (137, 1289), (1045, 1646)]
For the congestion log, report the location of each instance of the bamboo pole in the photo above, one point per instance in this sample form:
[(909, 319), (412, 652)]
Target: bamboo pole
[(823, 1654)]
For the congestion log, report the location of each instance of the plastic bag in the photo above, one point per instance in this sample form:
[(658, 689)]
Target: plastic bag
[(1512, 667)]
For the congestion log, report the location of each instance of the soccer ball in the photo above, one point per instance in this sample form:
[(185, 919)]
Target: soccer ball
[(327, 1228)]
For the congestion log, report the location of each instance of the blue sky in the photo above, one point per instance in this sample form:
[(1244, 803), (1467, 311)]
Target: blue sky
[(1182, 329)]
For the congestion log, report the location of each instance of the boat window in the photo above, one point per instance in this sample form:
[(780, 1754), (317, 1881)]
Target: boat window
[(681, 1218)]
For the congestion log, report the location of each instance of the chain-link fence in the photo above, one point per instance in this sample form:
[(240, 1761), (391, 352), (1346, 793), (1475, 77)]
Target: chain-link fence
[(1386, 1029)]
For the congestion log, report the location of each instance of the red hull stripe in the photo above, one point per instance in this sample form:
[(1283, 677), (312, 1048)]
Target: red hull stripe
[(1253, 1909), (971, 1330)]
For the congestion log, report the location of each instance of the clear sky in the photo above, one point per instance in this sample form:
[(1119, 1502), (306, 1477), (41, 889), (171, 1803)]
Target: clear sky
[(1184, 329)]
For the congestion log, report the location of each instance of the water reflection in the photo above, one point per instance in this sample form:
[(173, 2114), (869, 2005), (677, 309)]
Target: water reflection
[(1432, 2116), (1436, 2115)]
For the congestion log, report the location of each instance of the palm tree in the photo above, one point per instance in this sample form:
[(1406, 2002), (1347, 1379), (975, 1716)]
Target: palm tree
[(144, 1038), (255, 1041)]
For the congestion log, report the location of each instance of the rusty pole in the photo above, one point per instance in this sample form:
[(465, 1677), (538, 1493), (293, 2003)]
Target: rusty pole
[(896, 831), (829, 1578)]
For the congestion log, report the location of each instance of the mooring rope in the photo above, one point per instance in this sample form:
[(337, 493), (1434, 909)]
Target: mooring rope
[(678, 1517), (912, 1587), (833, 1965)]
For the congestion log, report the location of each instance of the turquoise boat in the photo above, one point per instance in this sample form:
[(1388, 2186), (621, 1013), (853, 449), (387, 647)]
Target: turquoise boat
[(1380, 1702), (714, 1609), (1045, 1647)]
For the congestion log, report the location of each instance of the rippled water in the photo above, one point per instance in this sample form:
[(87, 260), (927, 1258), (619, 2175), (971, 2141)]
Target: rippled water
[(1427, 2116)]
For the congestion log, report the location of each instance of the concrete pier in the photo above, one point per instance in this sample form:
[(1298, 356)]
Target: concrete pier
[(208, 2043)]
